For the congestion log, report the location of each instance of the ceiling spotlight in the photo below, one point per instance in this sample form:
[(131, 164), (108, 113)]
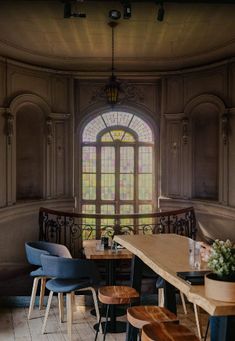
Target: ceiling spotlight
[(161, 12), (114, 14), (126, 10), (68, 12)]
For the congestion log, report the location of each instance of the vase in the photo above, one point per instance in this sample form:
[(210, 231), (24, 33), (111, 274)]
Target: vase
[(220, 289)]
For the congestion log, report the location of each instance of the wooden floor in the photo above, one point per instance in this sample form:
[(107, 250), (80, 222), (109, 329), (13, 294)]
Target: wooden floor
[(15, 326)]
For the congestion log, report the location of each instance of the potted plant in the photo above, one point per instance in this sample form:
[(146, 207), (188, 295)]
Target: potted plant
[(220, 284)]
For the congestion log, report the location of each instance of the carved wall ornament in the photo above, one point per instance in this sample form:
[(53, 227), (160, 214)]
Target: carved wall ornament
[(49, 126), (224, 125), (185, 130), (9, 126), (127, 92)]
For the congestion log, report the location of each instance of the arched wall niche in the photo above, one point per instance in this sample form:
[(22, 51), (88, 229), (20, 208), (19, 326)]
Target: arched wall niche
[(205, 114), (30, 124), (30, 114)]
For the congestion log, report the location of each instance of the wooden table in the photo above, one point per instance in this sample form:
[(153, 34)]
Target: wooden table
[(167, 254), (110, 257)]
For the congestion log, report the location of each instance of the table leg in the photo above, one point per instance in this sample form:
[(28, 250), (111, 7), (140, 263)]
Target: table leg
[(222, 328), (169, 297), (136, 277)]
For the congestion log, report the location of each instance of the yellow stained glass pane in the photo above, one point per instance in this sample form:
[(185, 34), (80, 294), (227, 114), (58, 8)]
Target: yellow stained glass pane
[(106, 138), (128, 137), (88, 224), (107, 224), (89, 186), (117, 134)]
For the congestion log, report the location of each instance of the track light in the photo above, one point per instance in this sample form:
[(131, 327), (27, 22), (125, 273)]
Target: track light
[(68, 12), (114, 14), (161, 12), (126, 10)]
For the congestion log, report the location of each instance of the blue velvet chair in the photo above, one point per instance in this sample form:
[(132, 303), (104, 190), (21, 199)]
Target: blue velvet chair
[(34, 250), (69, 275)]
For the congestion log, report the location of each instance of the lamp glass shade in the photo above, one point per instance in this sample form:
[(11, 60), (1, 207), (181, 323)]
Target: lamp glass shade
[(112, 90)]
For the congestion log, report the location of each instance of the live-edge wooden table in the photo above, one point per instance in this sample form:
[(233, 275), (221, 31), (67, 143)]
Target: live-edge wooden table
[(166, 254), (110, 257)]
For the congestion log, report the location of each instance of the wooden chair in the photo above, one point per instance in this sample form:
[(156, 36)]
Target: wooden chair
[(114, 295), (167, 332)]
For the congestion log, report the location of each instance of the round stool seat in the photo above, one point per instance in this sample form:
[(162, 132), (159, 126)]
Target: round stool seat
[(167, 332), (117, 294), (138, 316)]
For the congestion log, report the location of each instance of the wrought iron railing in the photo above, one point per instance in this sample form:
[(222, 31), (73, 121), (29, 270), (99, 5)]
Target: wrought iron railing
[(71, 229)]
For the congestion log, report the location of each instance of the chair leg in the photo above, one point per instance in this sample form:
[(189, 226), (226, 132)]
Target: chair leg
[(42, 292), (106, 322), (69, 315), (98, 327), (47, 312), (183, 303), (199, 330), (61, 306), (95, 303), (161, 297), (33, 296)]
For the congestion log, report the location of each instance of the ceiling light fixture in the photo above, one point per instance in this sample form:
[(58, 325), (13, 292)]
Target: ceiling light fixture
[(68, 11), (113, 86), (161, 12), (114, 14), (126, 9)]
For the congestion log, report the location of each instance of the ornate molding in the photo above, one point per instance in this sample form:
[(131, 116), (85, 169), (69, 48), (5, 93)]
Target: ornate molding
[(185, 130), (205, 98), (59, 116), (127, 92), (49, 126), (23, 99), (9, 127), (224, 128)]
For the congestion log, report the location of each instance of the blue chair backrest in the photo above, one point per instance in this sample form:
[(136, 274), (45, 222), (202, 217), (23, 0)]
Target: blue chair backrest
[(67, 268), (35, 249)]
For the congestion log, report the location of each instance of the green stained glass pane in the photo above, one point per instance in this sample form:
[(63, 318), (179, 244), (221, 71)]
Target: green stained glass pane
[(145, 160), (88, 224), (89, 186), (107, 186), (107, 160), (128, 137), (145, 186), (107, 224), (127, 209), (89, 159), (126, 186), (146, 221), (117, 134), (106, 138), (127, 160)]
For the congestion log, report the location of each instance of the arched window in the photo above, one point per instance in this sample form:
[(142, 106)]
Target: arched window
[(117, 165)]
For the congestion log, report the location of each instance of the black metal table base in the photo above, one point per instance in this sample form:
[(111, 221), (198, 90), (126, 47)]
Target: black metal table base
[(117, 327)]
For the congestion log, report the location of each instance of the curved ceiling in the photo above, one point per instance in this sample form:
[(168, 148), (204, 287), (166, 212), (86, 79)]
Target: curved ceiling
[(191, 34)]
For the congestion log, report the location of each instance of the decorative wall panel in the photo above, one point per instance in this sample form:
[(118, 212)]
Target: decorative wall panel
[(60, 94), (3, 141), (59, 159), (213, 81), (174, 95)]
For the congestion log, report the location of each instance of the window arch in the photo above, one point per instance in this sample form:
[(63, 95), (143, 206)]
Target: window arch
[(117, 164)]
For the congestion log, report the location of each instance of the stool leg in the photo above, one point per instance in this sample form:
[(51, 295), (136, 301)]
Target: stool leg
[(106, 322), (207, 329), (47, 312), (99, 323)]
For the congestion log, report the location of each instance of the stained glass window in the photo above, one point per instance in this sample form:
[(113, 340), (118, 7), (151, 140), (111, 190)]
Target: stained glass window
[(117, 164)]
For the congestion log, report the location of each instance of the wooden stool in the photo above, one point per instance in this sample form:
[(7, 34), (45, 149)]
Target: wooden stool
[(114, 295), (138, 316), (167, 332)]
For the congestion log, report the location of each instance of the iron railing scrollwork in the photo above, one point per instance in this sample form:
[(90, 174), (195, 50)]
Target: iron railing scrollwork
[(71, 229)]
